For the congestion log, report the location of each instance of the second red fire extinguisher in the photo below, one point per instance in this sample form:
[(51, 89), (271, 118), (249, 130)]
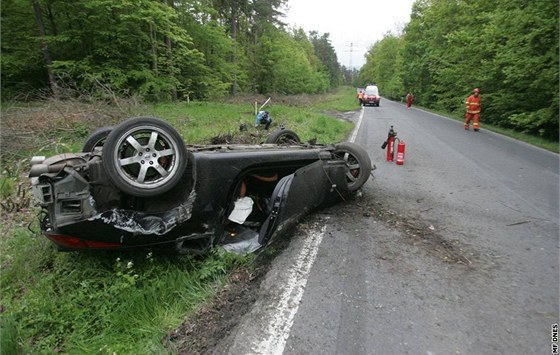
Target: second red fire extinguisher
[(400, 153)]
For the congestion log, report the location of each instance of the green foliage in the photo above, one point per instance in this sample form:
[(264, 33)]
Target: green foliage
[(286, 65), (9, 335), (326, 53), (383, 65), (7, 184), (157, 50), (22, 63), (14, 194)]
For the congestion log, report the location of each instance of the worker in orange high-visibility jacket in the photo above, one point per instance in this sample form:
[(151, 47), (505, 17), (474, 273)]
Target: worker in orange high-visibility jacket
[(473, 110), (360, 97)]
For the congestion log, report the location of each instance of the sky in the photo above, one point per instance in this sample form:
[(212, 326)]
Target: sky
[(353, 25)]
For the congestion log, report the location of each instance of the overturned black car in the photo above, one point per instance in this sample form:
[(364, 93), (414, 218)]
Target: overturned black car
[(137, 185)]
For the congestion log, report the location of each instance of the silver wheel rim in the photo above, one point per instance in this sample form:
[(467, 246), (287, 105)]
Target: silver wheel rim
[(353, 167), (146, 157)]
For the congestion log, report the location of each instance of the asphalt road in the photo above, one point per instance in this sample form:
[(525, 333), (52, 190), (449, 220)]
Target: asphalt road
[(454, 252)]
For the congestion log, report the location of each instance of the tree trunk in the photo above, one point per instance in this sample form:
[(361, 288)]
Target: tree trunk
[(169, 45), (154, 50), (45, 48), (234, 14)]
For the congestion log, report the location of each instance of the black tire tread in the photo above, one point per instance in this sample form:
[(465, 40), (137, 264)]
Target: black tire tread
[(363, 160), (112, 170), (96, 139), (275, 137)]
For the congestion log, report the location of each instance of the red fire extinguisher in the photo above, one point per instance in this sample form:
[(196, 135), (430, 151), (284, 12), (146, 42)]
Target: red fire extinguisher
[(390, 148), (400, 153), (390, 144)]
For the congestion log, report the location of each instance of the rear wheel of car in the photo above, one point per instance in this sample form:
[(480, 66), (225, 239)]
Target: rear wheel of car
[(283, 136), (357, 162), (96, 139), (144, 157)]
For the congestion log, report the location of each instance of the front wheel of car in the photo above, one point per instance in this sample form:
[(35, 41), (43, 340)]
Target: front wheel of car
[(357, 162), (144, 157), (283, 136)]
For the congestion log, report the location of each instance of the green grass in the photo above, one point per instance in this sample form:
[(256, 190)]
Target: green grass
[(103, 302), (198, 122), (533, 140)]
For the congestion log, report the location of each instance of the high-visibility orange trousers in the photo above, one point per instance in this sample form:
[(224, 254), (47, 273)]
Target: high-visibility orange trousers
[(474, 117)]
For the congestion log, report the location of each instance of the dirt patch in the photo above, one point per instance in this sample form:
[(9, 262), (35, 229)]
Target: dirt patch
[(37, 127), (241, 137), (420, 234), (345, 116), (201, 332)]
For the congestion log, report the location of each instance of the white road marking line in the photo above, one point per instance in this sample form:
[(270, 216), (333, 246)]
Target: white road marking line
[(279, 328), (357, 127)]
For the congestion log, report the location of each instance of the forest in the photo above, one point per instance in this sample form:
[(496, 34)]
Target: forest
[(160, 50), (166, 50)]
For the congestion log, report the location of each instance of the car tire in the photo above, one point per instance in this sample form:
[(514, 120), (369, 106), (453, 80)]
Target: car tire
[(283, 136), (96, 139), (358, 162), (144, 157)]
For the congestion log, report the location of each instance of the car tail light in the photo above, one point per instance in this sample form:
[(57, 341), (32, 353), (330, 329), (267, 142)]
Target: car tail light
[(67, 241)]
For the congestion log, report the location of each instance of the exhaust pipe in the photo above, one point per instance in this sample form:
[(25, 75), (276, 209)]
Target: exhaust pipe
[(39, 169), (38, 159)]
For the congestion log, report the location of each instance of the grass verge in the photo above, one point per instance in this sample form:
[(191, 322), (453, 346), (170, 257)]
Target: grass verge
[(533, 140)]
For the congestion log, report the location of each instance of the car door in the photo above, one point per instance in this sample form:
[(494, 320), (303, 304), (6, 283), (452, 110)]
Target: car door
[(298, 194)]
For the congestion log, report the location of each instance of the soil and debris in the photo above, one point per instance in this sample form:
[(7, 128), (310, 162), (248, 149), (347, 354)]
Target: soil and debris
[(420, 234), (201, 332)]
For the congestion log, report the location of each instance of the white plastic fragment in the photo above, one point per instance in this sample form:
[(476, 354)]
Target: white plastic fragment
[(242, 210)]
